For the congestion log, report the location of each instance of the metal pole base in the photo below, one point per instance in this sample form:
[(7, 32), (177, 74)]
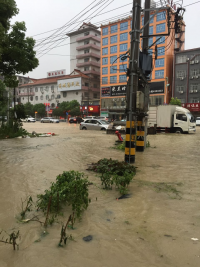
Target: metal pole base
[(130, 159)]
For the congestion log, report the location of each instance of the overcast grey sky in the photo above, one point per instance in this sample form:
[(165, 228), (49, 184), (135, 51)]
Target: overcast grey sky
[(45, 15)]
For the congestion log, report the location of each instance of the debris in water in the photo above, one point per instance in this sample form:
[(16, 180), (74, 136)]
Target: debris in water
[(88, 238), (194, 239), (124, 196), (168, 235)]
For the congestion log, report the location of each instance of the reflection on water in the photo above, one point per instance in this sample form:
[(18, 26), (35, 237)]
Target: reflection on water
[(28, 166)]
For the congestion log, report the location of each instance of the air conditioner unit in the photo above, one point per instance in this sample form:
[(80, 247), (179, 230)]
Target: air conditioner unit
[(188, 59), (196, 61), (181, 78), (197, 77), (181, 92), (192, 77), (195, 91), (192, 62), (191, 91)]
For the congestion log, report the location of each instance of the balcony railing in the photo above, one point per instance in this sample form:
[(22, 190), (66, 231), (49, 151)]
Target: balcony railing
[(88, 46), (90, 36), (88, 55), (88, 63), (91, 72)]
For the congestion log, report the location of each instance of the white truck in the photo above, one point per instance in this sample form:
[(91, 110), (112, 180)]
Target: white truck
[(171, 118)]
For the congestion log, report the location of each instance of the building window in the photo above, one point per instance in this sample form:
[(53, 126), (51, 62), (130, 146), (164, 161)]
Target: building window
[(58, 96), (124, 26), (122, 68), (150, 41), (52, 88), (86, 51), (76, 93), (86, 33), (180, 89), (113, 49), (86, 68), (150, 30), (123, 37), (95, 85), (113, 29), (104, 61), (160, 28), (47, 89), (105, 31), (156, 100), (161, 51), (36, 89), (52, 97), (64, 94), (105, 41), (120, 58), (151, 20), (31, 98), (47, 97), (161, 16), (194, 72), (194, 100), (113, 39), (105, 51), (104, 71), (181, 59), (160, 62), (86, 42), (41, 89), (113, 79), (159, 74), (36, 98), (86, 94), (31, 90), (86, 59), (52, 105), (95, 95), (150, 51), (87, 84), (161, 40), (41, 97), (104, 80), (194, 88), (181, 74), (113, 59), (123, 47), (113, 69), (122, 78)]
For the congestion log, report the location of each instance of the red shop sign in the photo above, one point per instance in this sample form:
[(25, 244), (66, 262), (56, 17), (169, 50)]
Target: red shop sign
[(192, 106)]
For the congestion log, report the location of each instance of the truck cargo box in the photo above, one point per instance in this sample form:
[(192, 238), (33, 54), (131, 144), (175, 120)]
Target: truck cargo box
[(165, 115)]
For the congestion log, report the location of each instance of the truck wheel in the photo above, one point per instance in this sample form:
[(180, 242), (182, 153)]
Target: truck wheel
[(84, 128), (179, 130)]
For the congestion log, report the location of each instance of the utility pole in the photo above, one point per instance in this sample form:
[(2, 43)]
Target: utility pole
[(142, 122), (133, 83)]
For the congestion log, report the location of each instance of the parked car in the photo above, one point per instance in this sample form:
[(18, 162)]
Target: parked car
[(75, 120), (89, 117), (102, 118), (46, 119), (198, 121), (95, 124), (28, 119), (53, 120)]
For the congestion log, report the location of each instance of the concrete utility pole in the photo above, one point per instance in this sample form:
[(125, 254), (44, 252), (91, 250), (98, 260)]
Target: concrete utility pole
[(133, 83), (142, 122)]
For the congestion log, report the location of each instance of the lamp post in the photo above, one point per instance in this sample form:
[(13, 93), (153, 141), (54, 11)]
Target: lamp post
[(167, 85)]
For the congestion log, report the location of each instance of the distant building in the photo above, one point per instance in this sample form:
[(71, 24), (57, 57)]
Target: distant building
[(116, 42), (58, 88), (186, 81)]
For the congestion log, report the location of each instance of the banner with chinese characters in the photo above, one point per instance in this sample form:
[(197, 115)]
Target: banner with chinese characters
[(157, 88), (56, 73), (105, 91), (192, 106), (118, 90), (69, 84)]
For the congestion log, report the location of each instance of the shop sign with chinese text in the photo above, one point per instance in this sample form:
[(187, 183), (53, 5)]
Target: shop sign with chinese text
[(69, 84), (56, 73), (118, 90), (192, 106), (105, 91)]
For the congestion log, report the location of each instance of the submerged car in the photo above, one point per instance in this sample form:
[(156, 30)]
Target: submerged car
[(94, 124), (28, 119), (53, 120), (75, 120), (46, 119)]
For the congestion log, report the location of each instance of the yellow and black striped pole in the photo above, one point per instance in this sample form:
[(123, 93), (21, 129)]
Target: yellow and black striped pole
[(130, 142), (140, 135)]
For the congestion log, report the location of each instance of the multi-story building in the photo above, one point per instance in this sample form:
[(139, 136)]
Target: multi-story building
[(57, 88), (116, 42), (186, 82), (85, 46)]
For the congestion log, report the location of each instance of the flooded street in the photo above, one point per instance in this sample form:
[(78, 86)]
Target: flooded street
[(149, 229)]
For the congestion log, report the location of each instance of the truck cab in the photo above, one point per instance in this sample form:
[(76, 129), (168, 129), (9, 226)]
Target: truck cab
[(183, 121)]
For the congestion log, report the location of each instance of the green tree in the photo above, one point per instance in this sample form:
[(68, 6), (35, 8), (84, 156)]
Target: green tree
[(17, 53), (57, 112), (175, 101), (29, 109), (75, 111), (3, 99), (40, 109)]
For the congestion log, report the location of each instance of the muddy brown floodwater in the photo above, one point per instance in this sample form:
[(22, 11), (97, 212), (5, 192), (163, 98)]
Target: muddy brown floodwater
[(149, 229)]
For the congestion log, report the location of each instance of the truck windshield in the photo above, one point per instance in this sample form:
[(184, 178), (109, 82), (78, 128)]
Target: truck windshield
[(190, 117)]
